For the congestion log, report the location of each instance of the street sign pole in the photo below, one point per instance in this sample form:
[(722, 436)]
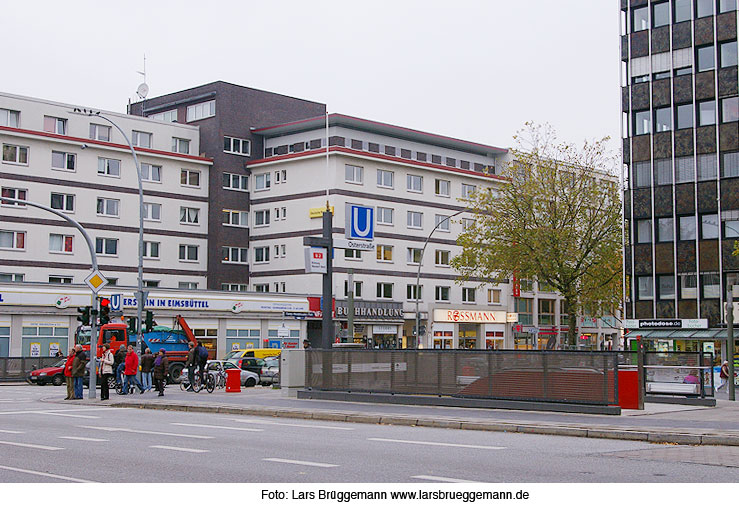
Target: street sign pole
[(730, 338), (327, 328), (350, 306)]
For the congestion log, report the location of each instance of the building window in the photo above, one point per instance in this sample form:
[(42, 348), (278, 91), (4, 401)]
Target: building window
[(108, 207), (55, 125), (525, 310), (468, 190), (706, 167), (646, 289), (353, 174), (546, 312), (688, 286), (236, 145), (442, 293), (706, 60), (14, 154), (235, 182), (261, 254), (354, 255), (189, 215), (643, 231), (686, 70), (661, 14), (711, 285), (442, 257), (730, 109), (707, 113), (168, 116), (726, 6), (151, 172), (663, 171), (468, 223), (415, 220), (201, 110), (442, 187), (180, 145), (730, 220), (106, 246), (261, 218), (235, 287), (687, 228), (13, 193), (413, 292), (384, 216), (152, 211), (190, 178), (280, 213), (728, 54), (684, 114), (63, 161), (642, 174), (684, 169), (666, 287), (415, 183), (235, 255), (60, 279), (187, 285), (99, 132), (468, 295), (703, 8), (280, 176), (640, 19), (709, 226), (59, 243), (261, 288), (262, 181), (414, 255), (385, 178), (384, 253), (151, 249), (442, 222), (235, 218), (62, 202), (357, 289), (10, 118), (730, 164), (109, 167), (12, 240), (11, 277), (385, 290), (662, 75), (189, 253), (665, 230), (151, 284), (494, 296), (280, 251), (141, 139), (642, 122), (662, 120)]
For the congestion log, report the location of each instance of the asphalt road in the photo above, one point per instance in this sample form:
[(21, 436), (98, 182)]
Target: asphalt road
[(42, 442)]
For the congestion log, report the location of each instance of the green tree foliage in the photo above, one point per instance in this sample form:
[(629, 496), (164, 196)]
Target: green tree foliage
[(555, 217)]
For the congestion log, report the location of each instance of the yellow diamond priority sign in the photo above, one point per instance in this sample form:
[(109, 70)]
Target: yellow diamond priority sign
[(96, 281)]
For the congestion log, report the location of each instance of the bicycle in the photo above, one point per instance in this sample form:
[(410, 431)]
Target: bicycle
[(185, 385)]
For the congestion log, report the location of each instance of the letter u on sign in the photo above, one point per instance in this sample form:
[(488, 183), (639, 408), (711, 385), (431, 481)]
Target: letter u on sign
[(361, 222)]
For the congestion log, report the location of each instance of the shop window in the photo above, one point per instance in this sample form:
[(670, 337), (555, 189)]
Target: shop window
[(242, 339), (494, 340), (43, 341), (443, 339)]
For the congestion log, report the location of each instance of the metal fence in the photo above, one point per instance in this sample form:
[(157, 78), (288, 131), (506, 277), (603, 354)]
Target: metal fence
[(678, 373), (18, 368), (552, 376)]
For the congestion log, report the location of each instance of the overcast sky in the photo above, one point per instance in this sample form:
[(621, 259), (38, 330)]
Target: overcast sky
[(474, 70)]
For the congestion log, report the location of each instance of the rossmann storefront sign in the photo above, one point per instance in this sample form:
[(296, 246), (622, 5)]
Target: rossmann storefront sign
[(469, 316)]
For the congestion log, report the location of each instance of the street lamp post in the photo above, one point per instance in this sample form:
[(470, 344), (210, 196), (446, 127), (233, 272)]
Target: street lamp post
[(140, 288), (418, 274)]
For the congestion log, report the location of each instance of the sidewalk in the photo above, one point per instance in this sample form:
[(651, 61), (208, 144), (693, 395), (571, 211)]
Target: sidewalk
[(658, 423)]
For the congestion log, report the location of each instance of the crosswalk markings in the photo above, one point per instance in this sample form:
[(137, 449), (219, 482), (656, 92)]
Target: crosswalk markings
[(303, 463), (431, 443)]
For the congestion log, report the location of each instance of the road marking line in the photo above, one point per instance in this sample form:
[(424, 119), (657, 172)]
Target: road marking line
[(303, 463), (114, 429), (291, 424), (218, 426), (441, 479), (26, 445), (52, 411), (51, 475), (11, 432), (69, 415), (83, 438), (190, 450), (430, 443)]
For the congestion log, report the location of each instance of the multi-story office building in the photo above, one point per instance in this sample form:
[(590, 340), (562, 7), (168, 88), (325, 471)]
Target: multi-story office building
[(680, 108)]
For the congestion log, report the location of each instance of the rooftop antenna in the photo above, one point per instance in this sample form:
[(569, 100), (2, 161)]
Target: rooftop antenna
[(143, 90)]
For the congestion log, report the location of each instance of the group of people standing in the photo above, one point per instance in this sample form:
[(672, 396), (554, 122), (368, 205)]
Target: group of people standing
[(74, 372)]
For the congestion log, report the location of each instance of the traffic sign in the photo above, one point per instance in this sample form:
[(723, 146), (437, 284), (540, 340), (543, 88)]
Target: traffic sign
[(96, 281), (354, 244), (316, 260), (360, 222), (115, 302)]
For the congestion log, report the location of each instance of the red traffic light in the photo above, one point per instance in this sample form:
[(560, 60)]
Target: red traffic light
[(104, 302)]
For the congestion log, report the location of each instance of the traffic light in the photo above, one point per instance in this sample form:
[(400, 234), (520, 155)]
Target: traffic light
[(149, 321), (132, 325), (84, 316), (104, 311)]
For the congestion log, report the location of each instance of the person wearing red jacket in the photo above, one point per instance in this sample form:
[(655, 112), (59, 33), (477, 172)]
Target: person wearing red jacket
[(132, 367), (68, 374)]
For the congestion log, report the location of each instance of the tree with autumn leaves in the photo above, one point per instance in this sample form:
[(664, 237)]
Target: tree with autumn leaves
[(556, 218)]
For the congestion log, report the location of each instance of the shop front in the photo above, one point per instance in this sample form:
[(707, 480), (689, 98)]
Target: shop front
[(676, 335), (469, 329), (377, 325)]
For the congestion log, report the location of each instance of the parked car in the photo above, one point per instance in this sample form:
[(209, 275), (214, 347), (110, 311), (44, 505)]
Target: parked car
[(259, 353), (248, 378), (270, 372), (249, 363), (53, 374)]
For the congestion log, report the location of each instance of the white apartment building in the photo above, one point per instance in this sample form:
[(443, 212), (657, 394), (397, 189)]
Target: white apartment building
[(414, 180), (83, 166)]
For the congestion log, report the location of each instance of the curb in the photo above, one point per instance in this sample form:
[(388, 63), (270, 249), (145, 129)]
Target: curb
[(633, 434)]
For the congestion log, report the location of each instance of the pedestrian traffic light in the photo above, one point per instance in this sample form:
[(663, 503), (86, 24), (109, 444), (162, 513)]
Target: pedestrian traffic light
[(104, 311), (149, 321), (84, 316), (132, 325)]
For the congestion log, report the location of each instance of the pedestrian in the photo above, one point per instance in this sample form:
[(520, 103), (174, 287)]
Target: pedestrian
[(106, 371), (129, 372), (78, 371), (161, 369), (147, 363), (119, 363), (306, 344), (201, 357), (723, 375), (190, 365), (68, 374)]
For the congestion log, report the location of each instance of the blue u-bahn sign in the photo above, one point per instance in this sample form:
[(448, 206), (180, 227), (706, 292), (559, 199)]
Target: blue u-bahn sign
[(360, 222)]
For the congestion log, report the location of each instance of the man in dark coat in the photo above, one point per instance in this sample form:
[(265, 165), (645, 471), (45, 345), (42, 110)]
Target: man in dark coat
[(78, 371)]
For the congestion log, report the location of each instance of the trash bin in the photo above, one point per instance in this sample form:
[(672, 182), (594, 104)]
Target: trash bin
[(233, 380)]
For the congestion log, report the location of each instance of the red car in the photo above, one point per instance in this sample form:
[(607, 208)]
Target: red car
[(51, 375)]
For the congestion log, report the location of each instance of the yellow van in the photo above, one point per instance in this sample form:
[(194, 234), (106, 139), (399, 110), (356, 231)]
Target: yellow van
[(259, 353)]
